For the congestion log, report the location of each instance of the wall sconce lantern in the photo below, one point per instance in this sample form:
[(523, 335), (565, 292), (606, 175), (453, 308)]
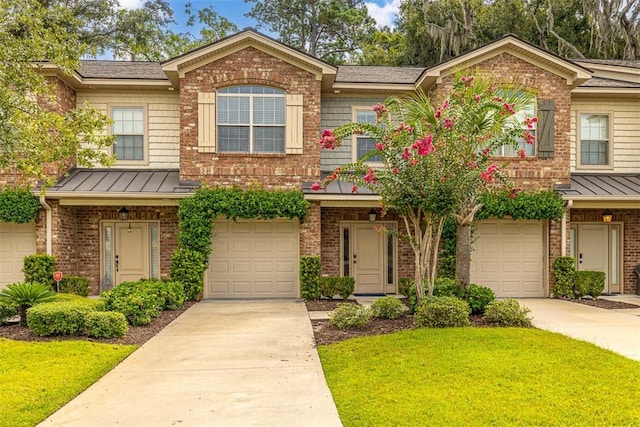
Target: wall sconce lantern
[(607, 216), (372, 215), (123, 214)]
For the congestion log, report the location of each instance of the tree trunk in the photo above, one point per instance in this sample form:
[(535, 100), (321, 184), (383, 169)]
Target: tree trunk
[(23, 314), (463, 255)]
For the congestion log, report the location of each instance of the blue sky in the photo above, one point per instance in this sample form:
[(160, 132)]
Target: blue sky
[(383, 11)]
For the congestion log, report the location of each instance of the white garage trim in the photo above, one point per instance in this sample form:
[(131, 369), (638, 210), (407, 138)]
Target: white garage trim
[(510, 257), (16, 242), (254, 259)]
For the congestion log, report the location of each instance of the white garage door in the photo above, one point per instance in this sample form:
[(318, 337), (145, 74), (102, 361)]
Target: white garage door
[(253, 259), (508, 257), (16, 242)]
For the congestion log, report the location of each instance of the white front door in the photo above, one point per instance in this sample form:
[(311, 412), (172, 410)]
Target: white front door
[(593, 249), (368, 260)]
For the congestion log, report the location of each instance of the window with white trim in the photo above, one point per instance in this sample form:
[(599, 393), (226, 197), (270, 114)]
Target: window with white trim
[(528, 111), (363, 143), (595, 142), (251, 119), (128, 129)]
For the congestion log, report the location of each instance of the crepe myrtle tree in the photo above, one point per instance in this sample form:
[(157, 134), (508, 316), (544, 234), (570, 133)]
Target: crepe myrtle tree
[(436, 159)]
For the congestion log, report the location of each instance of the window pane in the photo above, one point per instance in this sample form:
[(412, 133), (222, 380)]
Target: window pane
[(129, 147), (233, 110), (233, 139), (594, 152), (268, 111), (594, 139), (614, 255), (390, 259), (365, 116), (107, 278), (268, 139), (364, 145), (346, 254), (155, 252)]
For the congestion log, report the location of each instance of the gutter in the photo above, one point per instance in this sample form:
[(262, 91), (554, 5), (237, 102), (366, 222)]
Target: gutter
[(48, 226)]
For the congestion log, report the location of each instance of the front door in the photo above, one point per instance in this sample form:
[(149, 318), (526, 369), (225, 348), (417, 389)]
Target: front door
[(596, 250), (368, 259), (130, 251)]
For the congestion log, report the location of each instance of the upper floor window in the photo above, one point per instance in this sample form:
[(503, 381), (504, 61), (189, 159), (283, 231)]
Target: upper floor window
[(363, 143), (128, 128), (594, 140), (251, 119), (529, 149)]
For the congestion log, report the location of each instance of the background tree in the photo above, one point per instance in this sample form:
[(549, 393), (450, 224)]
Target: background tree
[(331, 30), (32, 135), (436, 159)]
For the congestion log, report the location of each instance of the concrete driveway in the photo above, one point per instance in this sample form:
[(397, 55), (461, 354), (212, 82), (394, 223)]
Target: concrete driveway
[(222, 363), (616, 330)]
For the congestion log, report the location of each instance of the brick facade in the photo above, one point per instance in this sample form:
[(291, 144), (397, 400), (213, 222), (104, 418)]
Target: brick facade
[(245, 67)]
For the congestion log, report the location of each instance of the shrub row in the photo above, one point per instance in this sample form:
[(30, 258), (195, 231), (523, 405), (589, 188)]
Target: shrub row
[(479, 296), (570, 283), (143, 300), (336, 285), (75, 317), (347, 316)]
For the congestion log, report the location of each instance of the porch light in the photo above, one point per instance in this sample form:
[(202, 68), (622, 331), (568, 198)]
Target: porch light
[(123, 214), (607, 216), (372, 215)]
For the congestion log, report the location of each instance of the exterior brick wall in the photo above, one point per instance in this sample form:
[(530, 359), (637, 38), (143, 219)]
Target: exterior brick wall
[(533, 173), (249, 66), (310, 232), (631, 240), (331, 218)]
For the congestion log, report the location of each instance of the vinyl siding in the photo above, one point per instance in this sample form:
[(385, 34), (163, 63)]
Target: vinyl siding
[(337, 111), (624, 132), (163, 123)]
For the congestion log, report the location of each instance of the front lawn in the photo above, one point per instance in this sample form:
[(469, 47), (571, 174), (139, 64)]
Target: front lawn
[(39, 377), (480, 376)]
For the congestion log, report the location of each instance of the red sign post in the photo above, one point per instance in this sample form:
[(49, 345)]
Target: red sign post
[(57, 276)]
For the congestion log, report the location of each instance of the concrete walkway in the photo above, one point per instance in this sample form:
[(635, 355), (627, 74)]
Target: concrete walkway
[(222, 363), (616, 330)]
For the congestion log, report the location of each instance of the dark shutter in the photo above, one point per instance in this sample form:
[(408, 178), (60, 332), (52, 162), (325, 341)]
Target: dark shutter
[(546, 127)]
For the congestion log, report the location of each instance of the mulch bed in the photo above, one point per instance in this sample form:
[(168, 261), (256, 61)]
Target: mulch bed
[(136, 335), (605, 303)]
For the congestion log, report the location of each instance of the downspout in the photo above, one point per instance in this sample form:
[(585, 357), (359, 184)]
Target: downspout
[(48, 226), (563, 232)]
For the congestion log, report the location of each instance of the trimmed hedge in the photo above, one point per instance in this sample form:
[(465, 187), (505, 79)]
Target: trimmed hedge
[(105, 324), (507, 313), (57, 318), (442, 312), (564, 273), (590, 283), (347, 316), (332, 285), (387, 308), (74, 285), (479, 298), (39, 268), (309, 277), (187, 267)]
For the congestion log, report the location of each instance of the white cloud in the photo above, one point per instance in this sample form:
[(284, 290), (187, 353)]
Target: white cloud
[(130, 4), (385, 14)]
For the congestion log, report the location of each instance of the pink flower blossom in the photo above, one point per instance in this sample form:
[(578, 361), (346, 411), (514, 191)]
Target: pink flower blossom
[(487, 175), (380, 110), (315, 187), (407, 154), (467, 80), (522, 153), (512, 195), (529, 121), (445, 104), (380, 147), (509, 107), (476, 98), (413, 162), (471, 164), (354, 188), (528, 137), (425, 145), (328, 140), (438, 113), (370, 176), (448, 123), (332, 177), (485, 152), (396, 171)]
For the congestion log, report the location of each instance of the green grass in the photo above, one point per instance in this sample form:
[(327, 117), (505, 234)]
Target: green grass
[(37, 378), (480, 377)]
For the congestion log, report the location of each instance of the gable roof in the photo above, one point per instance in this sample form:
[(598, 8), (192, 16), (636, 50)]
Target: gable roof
[(101, 69), (574, 74), (377, 74), (175, 68)]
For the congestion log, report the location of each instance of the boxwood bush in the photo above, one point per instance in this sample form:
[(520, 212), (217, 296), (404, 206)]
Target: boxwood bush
[(310, 277), (7, 311), (479, 298), (105, 324), (564, 275), (442, 312), (446, 287), (57, 318), (589, 283), (507, 313), (346, 316), (74, 285), (387, 308)]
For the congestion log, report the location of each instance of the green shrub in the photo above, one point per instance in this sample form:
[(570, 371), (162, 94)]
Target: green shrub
[(24, 295), (57, 318), (346, 286), (39, 268), (445, 287), (347, 316), (407, 288), (442, 312), (7, 312), (590, 283), (387, 308), (105, 324), (187, 267), (172, 293), (74, 285), (139, 301), (564, 273), (507, 313), (328, 286), (309, 277), (479, 298), (95, 303)]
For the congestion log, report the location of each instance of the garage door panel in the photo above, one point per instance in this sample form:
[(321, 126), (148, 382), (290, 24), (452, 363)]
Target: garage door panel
[(262, 256), (16, 242), (508, 257)]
